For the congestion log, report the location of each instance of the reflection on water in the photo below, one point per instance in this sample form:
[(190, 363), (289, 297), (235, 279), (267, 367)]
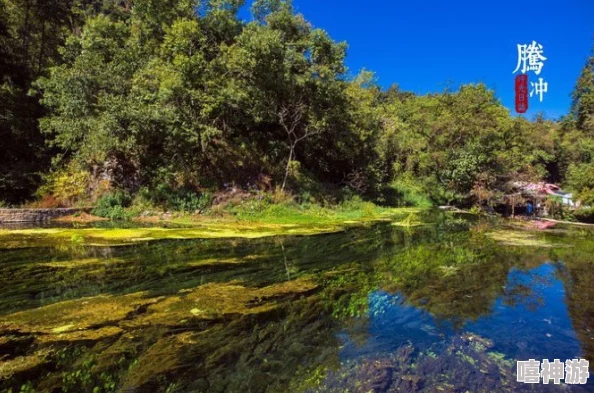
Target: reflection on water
[(529, 320), (434, 308)]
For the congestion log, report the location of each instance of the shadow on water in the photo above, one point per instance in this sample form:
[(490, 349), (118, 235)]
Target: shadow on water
[(384, 308)]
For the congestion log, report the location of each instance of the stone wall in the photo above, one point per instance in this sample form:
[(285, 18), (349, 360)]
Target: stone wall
[(34, 215)]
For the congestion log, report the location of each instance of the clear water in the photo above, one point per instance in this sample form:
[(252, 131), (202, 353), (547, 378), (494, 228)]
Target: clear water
[(435, 308)]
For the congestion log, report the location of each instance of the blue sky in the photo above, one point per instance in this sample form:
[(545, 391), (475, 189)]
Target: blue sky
[(425, 46)]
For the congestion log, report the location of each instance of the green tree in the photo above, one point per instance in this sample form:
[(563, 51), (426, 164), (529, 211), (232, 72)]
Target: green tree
[(583, 98)]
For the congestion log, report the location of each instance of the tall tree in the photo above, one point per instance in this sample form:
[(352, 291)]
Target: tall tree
[(583, 98)]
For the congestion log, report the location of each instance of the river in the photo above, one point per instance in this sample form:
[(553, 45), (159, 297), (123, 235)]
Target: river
[(438, 307)]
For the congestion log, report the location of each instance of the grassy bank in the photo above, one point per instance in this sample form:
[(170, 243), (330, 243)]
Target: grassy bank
[(254, 218)]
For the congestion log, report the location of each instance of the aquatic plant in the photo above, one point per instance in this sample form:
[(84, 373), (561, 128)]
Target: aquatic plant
[(300, 314)]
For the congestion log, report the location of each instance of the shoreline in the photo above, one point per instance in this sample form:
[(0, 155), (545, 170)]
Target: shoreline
[(189, 227)]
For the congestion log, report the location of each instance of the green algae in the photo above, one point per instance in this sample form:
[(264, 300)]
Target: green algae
[(80, 314), (265, 314), (80, 336), (99, 237), (412, 220), (24, 364), (161, 358), (205, 229), (218, 301), (82, 262), (100, 320), (521, 238), (103, 316)]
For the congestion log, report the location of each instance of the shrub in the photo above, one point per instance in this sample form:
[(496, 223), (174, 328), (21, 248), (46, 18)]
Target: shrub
[(580, 179), (183, 200), (65, 187), (48, 202), (113, 206), (353, 202), (585, 214), (189, 201), (279, 196), (557, 209), (356, 205), (408, 193)]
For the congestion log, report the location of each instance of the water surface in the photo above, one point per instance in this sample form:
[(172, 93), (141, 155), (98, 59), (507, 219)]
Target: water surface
[(440, 307)]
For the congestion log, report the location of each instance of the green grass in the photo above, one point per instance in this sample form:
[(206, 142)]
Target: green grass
[(354, 210), (247, 220)]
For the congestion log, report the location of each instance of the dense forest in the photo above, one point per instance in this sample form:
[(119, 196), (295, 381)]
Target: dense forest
[(179, 98)]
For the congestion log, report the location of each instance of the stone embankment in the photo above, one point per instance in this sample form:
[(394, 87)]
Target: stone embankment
[(35, 215)]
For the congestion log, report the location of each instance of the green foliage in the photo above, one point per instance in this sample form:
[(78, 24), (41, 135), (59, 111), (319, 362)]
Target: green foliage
[(458, 144), (280, 208), (191, 97), (113, 206), (185, 95), (406, 192), (581, 180), (29, 35), (585, 215), (182, 200), (583, 98), (68, 185), (26, 388)]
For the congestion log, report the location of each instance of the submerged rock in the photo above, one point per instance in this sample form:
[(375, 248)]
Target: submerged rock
[(463, 363)]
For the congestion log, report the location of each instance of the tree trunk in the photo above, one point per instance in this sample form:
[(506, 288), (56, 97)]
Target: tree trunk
[(288, 167)]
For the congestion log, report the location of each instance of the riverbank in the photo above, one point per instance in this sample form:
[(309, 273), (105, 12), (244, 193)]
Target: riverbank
[(273, 220)]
